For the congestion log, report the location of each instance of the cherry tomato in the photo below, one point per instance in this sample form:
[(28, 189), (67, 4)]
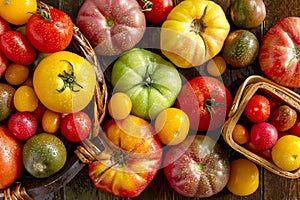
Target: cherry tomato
[(49, 30), (156, 11), (284, 117), (119, 106), (16, 74), (25, 99), (23, 125), (51, 121), (4, 26), (17, 12), (76, 126), (258, 108), (17, 48), (216, 66), (295, 130), (240, 134)]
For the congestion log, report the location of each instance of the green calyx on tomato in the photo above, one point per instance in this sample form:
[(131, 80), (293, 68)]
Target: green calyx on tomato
[(151, 82), (68, 79), (44, 13)]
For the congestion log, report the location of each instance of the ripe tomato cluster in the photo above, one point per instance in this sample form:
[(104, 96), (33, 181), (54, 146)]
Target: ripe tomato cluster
[(35, 69), (271, 129)]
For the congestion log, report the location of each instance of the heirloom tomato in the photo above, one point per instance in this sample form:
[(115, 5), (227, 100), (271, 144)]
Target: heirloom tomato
[(112, 26), (131, 157), (151, 82), (194, 32), (10, 157), (49, 30), (197, 167), (279, 53), (206, 101), (64, 82), (17, 12)]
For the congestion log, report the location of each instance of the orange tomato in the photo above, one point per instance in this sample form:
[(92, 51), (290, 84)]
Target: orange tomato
[(119, 106), (240, 134), (172, 126), (25, 99), (244, 177), (286, 152), (51, 121), (216, 66), (16, 74)]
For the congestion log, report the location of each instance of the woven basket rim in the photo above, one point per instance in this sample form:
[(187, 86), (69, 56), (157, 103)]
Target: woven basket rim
[(252, 85)]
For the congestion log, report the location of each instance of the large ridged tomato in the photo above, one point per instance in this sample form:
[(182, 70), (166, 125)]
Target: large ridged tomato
[(194, 32)]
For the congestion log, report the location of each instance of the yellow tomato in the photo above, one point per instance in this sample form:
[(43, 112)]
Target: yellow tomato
[(216, 66), (64, 82), (240, 134), (286, 152), (25, 99), (172, 126), (244, 177), (194, 32), (119, 106), (51, 121), (16, 74), (17, 12)]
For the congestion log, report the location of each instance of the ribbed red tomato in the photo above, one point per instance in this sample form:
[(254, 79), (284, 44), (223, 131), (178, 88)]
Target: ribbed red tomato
[(279, 55)]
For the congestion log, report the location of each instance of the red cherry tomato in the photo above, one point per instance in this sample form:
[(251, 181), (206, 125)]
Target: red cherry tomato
[(76, 126), (17, 48), (258, 109), (23, 125), (50, 30), (156, 11)]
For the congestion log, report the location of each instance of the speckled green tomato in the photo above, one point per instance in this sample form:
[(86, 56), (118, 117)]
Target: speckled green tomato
[(197, 167), (151, 82), (240, 48), (43, 155), (6, 101)]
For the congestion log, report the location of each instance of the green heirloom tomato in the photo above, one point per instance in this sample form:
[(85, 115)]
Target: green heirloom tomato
[(151, 82)]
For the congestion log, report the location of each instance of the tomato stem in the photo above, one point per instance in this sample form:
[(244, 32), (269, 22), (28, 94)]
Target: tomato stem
[(147, 5), (44, 13), (68, 79), (198, 26), (297, 51), (210, 103)]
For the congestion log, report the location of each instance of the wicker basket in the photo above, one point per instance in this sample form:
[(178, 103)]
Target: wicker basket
[(251, 86), (28, 187)]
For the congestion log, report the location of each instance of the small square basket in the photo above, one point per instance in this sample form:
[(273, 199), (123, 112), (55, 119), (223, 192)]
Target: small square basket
[(251, 86)]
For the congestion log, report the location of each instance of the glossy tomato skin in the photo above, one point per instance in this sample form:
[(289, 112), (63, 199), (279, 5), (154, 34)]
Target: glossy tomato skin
[(17, 48), (76, 126), (295, 130), (52, 89), (50, 36), (258, 108), (112, 26), (4, 26), (197, 167), (284, 118), (131, 158), (159, 11), (10, 157), (263, 135), (201, 94), (279, 53), (194, 32)]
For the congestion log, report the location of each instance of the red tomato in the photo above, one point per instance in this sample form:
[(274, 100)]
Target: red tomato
[(206, 101), (279, 52), (50, 30), (295, 130), (76, 126), (23, 125), (4, 26), (3, 63), (284, 117), (112, 26), (263, 135), (131, 158), (17, 48), (257, 109), (197, 167), (156, 11), (10, 158)]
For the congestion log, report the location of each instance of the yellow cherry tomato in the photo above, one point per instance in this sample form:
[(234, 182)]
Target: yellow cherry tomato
[(17, 12), (286, 152), (25, 99), (16, 74), (216, 66), (244, 177), (51, 121), (119, 106), (172, 126)]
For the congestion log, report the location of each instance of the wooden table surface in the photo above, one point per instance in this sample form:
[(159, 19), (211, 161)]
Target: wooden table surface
[(271, 187)]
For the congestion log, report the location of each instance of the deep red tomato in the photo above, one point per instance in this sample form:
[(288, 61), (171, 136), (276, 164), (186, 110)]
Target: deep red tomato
[(50, 30), (4, 26), (23, 125), (112, 26), (258, 108), (295, 130), (197, 167), (3, 63), (263, 135), (156, 11), (279, 52), (10, 157), (17, 48), (76, 126), (206, 101)]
